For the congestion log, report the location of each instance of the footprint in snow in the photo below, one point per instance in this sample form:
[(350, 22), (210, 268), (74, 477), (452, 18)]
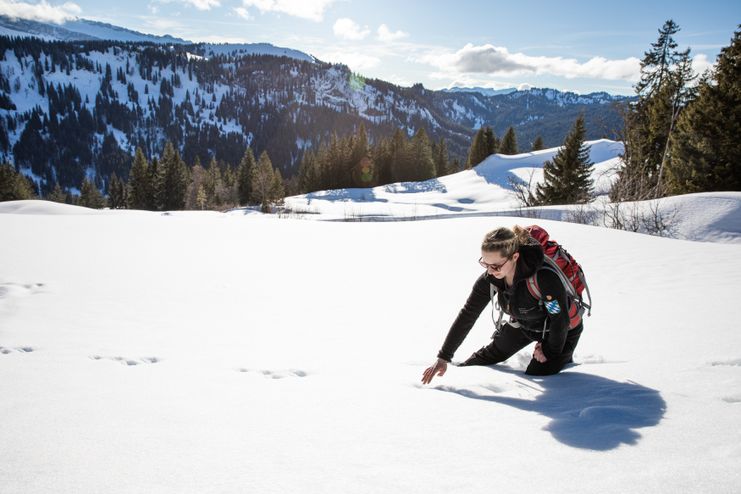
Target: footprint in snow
[(20, 349), (277, 374), (19, 289), (128, 361), (736, 362)]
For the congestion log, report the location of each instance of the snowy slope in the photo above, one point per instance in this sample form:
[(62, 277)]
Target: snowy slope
[(77, 29), (207, 352), (485, 190)]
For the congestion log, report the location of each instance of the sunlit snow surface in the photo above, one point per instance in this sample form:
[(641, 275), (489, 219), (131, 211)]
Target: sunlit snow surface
[(211, 352)]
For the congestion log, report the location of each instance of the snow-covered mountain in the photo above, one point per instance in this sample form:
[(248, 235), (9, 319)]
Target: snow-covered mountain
[(80, 109), (484, 91), (78, 29)]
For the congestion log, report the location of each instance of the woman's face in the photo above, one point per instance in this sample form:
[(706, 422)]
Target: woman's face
[(498, 266)]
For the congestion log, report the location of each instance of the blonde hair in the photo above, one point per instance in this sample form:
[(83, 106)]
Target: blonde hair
[(505, 241)]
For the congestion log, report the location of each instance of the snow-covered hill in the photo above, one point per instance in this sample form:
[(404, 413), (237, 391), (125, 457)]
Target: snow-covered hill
[(486, 190), (200, 352), (78, 29)]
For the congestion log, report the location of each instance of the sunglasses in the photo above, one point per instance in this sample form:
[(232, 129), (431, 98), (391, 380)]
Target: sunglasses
[(495, 267)]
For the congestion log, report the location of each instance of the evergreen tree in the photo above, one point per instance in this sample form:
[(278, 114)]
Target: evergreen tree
[(57, 195), (479, 150), (155, 201), (662, 92), (140, 187), (441, 158), (509, 142), (567, 179), (423, 165), (13, 185), (491, 143), (116, 193), (401, 160), (244, 177), (213, 184), (706, 149), (196, 197), (174, 180), (264, 182), (309, 175), (90, 196), (277, 188), (538, 144), (363, 174)]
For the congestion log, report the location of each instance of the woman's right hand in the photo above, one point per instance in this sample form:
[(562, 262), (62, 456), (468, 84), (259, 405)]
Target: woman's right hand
[(439, 368)]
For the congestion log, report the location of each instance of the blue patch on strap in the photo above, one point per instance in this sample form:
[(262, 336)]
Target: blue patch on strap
[(552, 307)]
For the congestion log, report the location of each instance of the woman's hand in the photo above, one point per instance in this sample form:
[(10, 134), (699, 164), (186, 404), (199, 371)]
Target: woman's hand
[(538, 353), (439, 368)]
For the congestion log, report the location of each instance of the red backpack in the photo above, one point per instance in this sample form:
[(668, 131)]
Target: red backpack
[(558, 260)]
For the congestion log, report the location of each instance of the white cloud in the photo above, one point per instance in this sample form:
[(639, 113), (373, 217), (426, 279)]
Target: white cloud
[(204, 4), (306, 9), (42, 11), (348, 29), (700, 63), (495, 60), (385, 34), (243, 13)]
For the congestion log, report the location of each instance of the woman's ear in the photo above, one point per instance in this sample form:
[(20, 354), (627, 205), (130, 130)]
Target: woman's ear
[(515, 256)]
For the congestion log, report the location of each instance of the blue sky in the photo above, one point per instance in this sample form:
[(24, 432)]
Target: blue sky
[(576, 45)]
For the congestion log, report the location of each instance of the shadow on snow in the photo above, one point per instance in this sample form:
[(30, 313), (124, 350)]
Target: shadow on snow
[(587, 411)]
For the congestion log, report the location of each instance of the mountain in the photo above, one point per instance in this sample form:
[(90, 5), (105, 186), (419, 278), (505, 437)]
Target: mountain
[(71, 110), (484, 91)]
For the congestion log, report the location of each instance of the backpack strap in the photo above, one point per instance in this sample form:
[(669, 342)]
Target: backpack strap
[(495, 305), (576, 306)]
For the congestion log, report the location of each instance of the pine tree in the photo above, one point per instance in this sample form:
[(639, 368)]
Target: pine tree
[(441, 158), (509, 142), (264, 182), (57, 195), (13, 185), (140, 187), (491, 143), (662, 92), (401, 161), (90, 196), (155, 199), (244, 177), (567, 179), (423, 166), (196, 188), (213, 184), (538, 144), (480, 148), (706, 150), (116, 192), (174, 180)]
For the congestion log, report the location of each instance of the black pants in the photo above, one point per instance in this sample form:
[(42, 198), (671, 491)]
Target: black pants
[(509, 340)]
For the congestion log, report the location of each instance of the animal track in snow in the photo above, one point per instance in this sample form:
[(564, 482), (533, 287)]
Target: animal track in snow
[(736, 362), (21, 349), (277, 374), (733, 399), (128, 361), (16, 289)]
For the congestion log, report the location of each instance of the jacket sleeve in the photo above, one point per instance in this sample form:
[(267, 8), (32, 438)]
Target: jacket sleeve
[(557, 310), (477, 301)]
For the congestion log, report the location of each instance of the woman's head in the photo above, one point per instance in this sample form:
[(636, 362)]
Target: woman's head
[(500, 250)]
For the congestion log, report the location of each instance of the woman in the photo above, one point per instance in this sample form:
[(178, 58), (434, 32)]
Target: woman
[(510, 258)]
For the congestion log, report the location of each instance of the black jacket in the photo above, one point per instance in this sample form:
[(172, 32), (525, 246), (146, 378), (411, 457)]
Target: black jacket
[(516, 301)]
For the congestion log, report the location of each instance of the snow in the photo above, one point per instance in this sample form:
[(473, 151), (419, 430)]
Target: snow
[(203, 351), (210, 352)]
